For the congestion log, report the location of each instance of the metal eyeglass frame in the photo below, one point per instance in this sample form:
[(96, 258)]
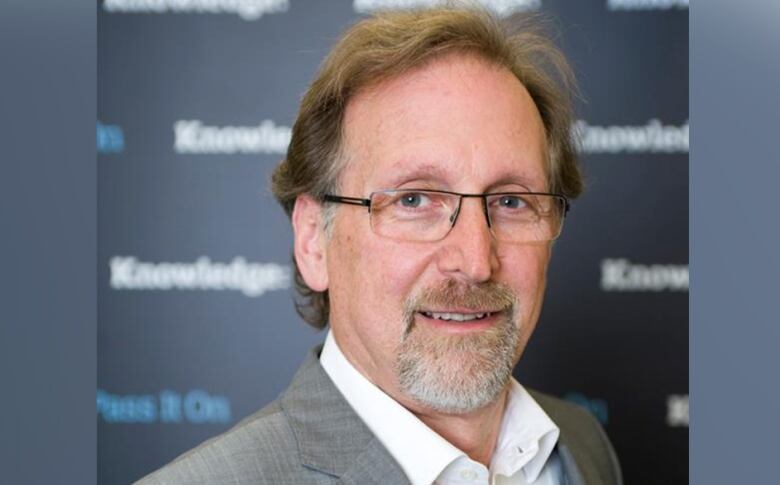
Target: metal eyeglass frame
[(339, 199)]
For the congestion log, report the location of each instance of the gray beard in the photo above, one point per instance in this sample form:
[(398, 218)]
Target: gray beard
[(456, 374)]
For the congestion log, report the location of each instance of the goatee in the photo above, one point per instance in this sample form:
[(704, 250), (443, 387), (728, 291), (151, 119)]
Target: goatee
[(458, 373)]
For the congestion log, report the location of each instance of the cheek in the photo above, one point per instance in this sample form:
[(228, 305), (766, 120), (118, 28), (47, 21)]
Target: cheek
[(370, 277), (395, 269), (525, 269)]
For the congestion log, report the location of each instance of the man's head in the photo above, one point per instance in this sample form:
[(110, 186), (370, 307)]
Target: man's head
[(438, 100)]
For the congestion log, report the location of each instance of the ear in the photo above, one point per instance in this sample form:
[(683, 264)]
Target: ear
[(310, 242)]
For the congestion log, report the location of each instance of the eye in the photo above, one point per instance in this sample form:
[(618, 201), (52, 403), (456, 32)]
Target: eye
[(511, 202), (414, 200)]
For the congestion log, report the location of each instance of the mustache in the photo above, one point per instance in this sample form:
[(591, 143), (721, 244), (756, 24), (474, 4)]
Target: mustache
[(451, 293), (489, 295)]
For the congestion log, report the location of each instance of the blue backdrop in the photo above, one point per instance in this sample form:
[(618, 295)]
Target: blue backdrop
[(196, 327)]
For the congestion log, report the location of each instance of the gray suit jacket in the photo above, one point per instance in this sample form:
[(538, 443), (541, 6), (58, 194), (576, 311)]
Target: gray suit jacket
[(310, 435)]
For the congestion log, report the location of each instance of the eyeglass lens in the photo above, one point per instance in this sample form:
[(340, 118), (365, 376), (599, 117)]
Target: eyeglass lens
[(415, 215)]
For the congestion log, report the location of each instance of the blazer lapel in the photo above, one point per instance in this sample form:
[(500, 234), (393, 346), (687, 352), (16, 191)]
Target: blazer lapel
[(576, 465), (570, 470), (374, 466), (331, 438)]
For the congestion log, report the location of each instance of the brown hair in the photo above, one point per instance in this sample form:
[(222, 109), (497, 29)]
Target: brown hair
[(391, 43)]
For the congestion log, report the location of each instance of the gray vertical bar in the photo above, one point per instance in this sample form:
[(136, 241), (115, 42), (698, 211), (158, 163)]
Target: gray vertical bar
[(734, 239), (47, 242)]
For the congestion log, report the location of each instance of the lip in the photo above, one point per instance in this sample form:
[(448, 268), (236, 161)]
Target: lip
[(466, 311), (453, 326)]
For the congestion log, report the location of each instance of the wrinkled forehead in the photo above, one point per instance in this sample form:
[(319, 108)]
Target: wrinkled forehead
[(457, 121)]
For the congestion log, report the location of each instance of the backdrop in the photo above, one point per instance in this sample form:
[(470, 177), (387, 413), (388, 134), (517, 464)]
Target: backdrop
[(196, 325)]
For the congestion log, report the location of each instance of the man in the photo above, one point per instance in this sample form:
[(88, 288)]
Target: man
[(427, 177)]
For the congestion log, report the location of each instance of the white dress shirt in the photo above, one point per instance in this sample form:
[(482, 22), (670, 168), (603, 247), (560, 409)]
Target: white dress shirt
[(523, 453)]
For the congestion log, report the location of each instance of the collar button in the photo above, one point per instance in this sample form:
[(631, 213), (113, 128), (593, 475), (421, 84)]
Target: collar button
[(468, 474)]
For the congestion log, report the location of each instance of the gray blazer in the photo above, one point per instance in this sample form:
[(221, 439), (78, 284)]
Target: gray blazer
[(310, 435)]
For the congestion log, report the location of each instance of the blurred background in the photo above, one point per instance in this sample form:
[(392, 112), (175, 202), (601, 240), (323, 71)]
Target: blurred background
[(196, 327)]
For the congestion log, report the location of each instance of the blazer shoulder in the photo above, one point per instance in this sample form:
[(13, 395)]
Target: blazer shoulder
[(259, 449), (566, 414), (582, 434)]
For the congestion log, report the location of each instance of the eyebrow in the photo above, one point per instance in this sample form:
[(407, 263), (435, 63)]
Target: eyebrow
[(435, 173), (523, 182), (425, 171)]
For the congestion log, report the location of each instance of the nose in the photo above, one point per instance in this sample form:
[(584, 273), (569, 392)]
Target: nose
[(468, 252)]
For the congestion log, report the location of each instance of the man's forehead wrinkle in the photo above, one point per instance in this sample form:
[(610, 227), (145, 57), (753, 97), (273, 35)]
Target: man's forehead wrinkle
[(405, 171), (359, 136), (368, 116), (458, 176), (391, 141)]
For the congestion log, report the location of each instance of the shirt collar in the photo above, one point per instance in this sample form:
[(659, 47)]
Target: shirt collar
[(526, 439), (420, 452)]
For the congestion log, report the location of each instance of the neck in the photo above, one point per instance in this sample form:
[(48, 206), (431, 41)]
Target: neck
[(475, 433)]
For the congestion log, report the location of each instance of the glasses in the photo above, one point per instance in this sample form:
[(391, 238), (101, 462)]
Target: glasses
[(428, 215)]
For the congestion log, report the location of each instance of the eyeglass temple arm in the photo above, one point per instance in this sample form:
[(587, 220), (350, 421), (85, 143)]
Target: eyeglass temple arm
[(347, 200)]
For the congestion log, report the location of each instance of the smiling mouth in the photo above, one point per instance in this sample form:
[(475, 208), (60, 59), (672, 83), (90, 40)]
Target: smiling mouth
[(458, 317)]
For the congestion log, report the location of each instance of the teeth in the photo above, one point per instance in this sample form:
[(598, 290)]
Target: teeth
[(457, 317)]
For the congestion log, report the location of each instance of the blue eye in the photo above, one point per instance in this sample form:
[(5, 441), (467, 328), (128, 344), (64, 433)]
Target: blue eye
[(412, 199), (511, 202)]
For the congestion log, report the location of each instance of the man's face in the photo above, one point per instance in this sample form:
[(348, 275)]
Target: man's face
[(457, 124)]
